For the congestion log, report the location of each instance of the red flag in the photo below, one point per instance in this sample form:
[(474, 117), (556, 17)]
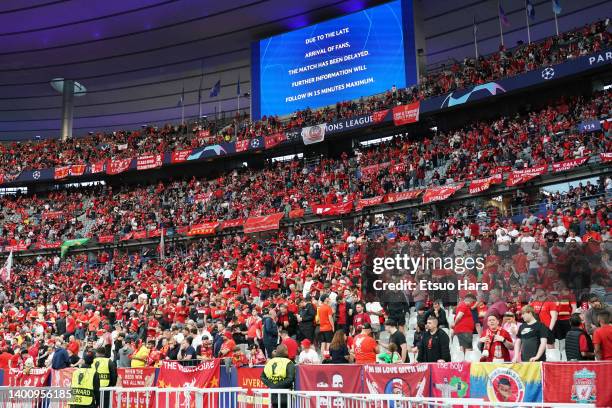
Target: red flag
[(242, 145), (250, 379), (332, 209), (369, 202), (402, 196), (297, 213), (408, 380), (77, 169), (52, 215), (235, 223), (207, 228), (524, 175), (263, 223), (440, 193), (149, 161), (450, 380), (581, 382), (379, 116), (405, 114), (605, 157), (174, 375), (370, 170), (61, 172), (135, 378), (275, 139), (479, 185), (98, 167), (344, 378), (568, 164), (106, 239), (37, 377), (179, 156), (118, 166)]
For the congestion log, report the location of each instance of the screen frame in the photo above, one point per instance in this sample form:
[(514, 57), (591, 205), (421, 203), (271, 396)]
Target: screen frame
[(411, 69)]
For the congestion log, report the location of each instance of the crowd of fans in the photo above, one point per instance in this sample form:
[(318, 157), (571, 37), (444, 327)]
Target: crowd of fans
[(17, 156), (542, 287), (476, 150), (237, 297)]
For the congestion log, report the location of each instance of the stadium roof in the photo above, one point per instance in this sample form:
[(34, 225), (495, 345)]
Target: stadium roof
[(134, 57)]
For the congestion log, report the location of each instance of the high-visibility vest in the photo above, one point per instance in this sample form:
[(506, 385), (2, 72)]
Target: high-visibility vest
[(276, 369), (102, 366), (82, 387)]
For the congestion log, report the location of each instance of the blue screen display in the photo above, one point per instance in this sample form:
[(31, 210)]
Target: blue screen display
[(356, 55)]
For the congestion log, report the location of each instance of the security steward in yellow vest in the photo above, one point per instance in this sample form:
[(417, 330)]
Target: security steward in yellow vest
[(85, 384), (279, 373), (107, 371)]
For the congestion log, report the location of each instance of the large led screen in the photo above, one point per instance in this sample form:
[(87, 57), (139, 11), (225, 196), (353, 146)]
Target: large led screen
[(360, 54)]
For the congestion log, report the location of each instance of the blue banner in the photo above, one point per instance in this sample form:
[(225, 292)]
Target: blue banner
[(222, 149), (591, 125)]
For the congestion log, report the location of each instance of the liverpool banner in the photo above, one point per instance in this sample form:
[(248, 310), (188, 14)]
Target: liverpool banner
[(369, 202), (450, 380), (480, 185), (568, 164), (174, 375), (263, 223), (578, 382), (37, 377), (405, 114), (135, 378), (149, 161), (499, 382), (524, 175), (407, 380), (179, 156), (117, 166), (402, 196), (314, 134), (332, 209), (440, 193), (206, 228), (61, 172), (250, 379), (344, 378)]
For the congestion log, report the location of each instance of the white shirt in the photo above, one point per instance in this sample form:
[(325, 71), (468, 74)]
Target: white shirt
[(309, 356)]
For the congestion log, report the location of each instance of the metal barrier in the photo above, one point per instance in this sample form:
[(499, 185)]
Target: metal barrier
[(115, 397)]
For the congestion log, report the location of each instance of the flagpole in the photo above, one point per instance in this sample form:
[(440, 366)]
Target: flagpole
[(501, 29), (556, 24), (527, 20), (183, 112)]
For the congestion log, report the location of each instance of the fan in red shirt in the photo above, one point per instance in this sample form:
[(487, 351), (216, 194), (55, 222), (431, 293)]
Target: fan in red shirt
[(547, 313), (496, 342), (360, 317)]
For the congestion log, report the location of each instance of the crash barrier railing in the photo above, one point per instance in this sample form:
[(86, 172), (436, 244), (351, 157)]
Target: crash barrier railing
[(115, 397), (316, 399)]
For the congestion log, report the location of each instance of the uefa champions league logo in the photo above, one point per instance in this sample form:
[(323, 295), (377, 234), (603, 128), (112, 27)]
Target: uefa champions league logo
[(548, 73)]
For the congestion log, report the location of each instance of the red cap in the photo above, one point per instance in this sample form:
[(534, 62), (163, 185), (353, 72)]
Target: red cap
[(305, 343)]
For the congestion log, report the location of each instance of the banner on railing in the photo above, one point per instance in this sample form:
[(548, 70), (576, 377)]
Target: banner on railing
[(568, 164), (61, 172), (403, 196), (37, 377), (605, 157), (263, 223), (332, 209), (342, 378), (233, 223), (149, 161), (499, 382), (77, 170), (408, 380), (296, 213), (522, 176), (274, 140), (249, 378), (404, 114), (440, 193), (450, 380), (313, 134), (135, 378), (578, 382), (206, 228), (174, 375), (118, 166), (98, 167), (480, 185), (368, 202), (179, 156)]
